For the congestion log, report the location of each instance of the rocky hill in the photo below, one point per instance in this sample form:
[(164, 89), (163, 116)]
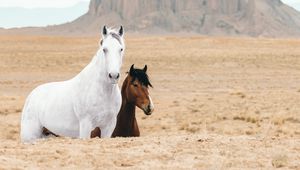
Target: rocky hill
[(268, 18)]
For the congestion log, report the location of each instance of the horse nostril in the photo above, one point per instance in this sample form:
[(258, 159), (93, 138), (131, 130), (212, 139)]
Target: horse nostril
[(114, 76)]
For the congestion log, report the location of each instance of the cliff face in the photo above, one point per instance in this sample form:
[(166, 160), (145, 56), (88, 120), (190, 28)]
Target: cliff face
[(137, 8), (210, 17)]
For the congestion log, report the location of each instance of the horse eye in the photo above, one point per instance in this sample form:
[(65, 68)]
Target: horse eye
[(105, 50), (121, 49), (135, 85)]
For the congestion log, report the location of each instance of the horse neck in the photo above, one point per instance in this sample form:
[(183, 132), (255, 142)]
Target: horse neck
[(127, 112), (94, 73)]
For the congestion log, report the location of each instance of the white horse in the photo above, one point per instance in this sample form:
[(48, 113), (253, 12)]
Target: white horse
[(74, 108)]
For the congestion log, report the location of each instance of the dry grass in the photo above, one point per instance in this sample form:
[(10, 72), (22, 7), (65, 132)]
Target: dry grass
[(280, 161), (219, 103)]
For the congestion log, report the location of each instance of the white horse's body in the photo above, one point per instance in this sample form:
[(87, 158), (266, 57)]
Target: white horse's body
[(75, 107)]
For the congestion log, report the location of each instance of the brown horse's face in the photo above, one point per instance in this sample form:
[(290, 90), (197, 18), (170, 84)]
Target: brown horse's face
[(139, 95)]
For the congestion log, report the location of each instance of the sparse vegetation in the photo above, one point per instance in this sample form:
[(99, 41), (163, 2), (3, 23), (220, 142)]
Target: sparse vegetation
[(280, 161), (246, 119), (240, 94)]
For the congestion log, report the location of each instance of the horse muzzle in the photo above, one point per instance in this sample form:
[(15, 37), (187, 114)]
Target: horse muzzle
[(114, 77), (148, 110)]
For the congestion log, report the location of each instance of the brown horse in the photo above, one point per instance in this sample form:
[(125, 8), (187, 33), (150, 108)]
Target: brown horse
[(134, 93)]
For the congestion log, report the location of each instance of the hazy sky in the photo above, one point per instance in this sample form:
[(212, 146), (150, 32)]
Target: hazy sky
[(23, 13), (40, 3), (20, 13)]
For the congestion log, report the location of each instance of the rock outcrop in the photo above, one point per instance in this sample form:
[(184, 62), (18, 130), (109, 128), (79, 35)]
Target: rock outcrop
[(270, 18)]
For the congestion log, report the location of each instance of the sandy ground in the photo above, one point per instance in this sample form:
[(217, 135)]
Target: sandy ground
[(220, 103)]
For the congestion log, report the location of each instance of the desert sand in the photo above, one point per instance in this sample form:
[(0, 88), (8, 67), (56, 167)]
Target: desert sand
[(220, 103)]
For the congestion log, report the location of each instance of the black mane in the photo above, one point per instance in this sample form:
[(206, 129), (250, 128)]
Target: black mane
[(142, 77)]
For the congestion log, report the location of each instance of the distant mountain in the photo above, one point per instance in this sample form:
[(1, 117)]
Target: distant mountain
[(269, 18)]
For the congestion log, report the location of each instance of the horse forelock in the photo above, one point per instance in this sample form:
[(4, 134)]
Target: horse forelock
[(142, 77), (117, 37), (113, 33)]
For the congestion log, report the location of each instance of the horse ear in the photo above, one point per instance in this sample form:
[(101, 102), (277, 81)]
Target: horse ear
[(104, 31), (145, 68), (131, 70), (121, 31)]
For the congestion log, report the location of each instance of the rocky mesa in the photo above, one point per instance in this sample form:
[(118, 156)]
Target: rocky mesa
[(267, 18)]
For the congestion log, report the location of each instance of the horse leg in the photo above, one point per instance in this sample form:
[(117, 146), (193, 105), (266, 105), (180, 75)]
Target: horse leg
[(96, 133), (47, 132), (107, 131), (30, 130), (85, 129)]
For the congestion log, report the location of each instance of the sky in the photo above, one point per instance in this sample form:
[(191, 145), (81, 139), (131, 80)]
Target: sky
[(40, 3), (293, 3), (22, 13)]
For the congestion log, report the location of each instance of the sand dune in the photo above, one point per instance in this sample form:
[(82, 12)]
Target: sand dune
[(219, 103)]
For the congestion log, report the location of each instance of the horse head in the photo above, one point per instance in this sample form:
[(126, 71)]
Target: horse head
[(112, 48), (137, 89)]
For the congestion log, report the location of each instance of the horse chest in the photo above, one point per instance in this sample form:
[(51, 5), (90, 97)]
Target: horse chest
[(99, 106)]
